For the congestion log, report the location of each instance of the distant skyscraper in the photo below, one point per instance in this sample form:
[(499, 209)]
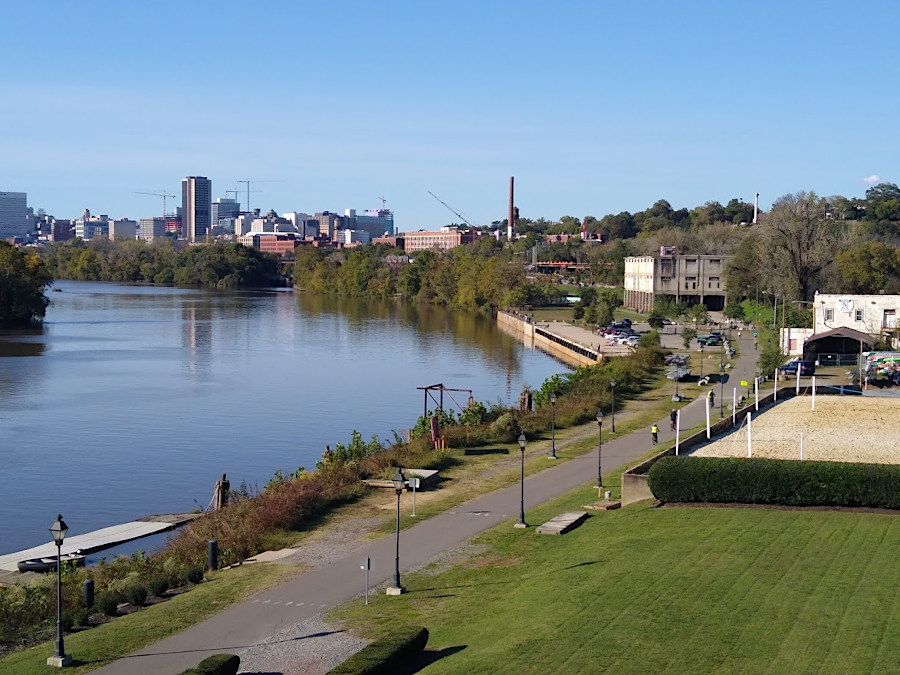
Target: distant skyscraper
[(224, 208), (196, 204), (377, 222), (13, 214)]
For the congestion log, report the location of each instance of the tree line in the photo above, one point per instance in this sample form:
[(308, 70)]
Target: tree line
[(23, 278), (216, 265)]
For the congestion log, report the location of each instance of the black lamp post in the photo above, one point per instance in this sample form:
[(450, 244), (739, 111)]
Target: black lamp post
[(599, 449), (721, 389), (522, 522), (612, 391), (399, 480), (701, 360), (59, 659), (552, 425)]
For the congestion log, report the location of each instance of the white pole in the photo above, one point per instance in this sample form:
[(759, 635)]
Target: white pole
[(801, 446), (414, 481), (749, 437), (677, 431), (756, 391), (798, 380), (707, 420), (813, 392), (775, 392), (733, 405)]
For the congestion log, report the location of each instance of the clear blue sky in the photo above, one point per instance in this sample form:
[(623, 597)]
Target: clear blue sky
[(594, 107)]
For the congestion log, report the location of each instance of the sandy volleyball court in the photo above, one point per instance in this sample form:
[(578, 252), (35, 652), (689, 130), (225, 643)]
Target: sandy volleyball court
[(841, 429)]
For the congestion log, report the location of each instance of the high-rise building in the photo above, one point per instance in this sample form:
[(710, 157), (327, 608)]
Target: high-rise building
[(225, 208), (13, 214), (377, 222), (122, 229), (196, 204), (152, 228)]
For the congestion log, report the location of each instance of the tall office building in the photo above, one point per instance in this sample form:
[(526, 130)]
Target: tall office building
[(196, 205), (225, 208), (13, 214), (377, 222)]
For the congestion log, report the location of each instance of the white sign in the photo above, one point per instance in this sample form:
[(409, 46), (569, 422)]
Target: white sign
[(845, 305)]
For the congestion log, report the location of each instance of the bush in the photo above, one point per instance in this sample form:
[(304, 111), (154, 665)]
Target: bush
[(136, 595), (107, 603), (386, 655), (649, 339), (506, 429), (217, 664), (193, 575), (157, 586), (82, 617), (775, 481), (67, 620)]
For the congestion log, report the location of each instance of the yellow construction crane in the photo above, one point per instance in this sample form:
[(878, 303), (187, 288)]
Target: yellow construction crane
[(164, 195)]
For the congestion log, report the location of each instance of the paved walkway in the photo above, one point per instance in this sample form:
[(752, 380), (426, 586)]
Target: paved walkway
[(272, 611)]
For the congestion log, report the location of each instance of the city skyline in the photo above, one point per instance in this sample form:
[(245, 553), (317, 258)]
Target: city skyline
[(595, 109)]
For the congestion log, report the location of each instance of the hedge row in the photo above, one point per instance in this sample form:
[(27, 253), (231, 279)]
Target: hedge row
[(775, 481), (386, 655), (217, 664)]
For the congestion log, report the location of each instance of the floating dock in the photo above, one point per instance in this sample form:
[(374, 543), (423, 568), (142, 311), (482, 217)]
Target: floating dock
[(98, 540)]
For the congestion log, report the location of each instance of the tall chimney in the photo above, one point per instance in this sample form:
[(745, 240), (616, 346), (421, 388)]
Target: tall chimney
[(512, 217), (755, 208)]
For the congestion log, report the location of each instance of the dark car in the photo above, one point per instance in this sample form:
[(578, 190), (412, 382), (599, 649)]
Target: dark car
[(710, 340), (806, 368)]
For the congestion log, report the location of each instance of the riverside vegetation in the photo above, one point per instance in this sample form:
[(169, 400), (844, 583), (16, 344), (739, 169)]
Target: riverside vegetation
[(23, 279), (289, 504)]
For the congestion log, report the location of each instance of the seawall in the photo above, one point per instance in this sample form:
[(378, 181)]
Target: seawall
[(541, 336)]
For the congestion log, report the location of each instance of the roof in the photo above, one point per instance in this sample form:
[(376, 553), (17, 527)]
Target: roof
[(850, 333)]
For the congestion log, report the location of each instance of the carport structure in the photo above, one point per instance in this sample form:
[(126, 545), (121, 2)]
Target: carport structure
[(837, 347)]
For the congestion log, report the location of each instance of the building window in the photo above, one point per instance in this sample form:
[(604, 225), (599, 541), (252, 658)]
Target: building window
[(829, 315), (859, 316)]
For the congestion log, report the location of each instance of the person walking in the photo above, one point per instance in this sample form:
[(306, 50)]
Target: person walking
[(654, 433), (673, 418), (712, 398)]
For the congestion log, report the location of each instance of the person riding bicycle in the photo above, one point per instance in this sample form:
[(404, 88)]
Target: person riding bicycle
[(654, 433)]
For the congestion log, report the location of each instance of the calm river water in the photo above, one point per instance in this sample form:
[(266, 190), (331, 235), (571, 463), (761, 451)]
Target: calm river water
[(133, 400)]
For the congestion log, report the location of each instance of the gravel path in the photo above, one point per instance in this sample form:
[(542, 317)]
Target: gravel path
[(334, 541), (312, 647), (841, 429)]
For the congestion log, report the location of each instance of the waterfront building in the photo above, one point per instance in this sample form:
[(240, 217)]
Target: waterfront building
[(270, 242), (13, 214), (196, 205), (152, 228), (223, 209), (443, 240), (122, 229), (689, 279)]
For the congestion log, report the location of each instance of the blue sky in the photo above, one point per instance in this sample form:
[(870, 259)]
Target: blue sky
[(594, 107)]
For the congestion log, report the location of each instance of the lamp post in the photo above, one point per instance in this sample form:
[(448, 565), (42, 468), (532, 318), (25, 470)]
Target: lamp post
[(721, 389), (552, 425), (701, 360), (522, 522), (60, 659), (599, 449), (612, 391), (399, 481)]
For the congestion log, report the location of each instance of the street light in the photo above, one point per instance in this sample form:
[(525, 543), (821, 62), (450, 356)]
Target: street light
[(721, 388), (701, 360), (599, 449), (522, 522), (552, 425), (399, 480), (612, 391), (60, 659)]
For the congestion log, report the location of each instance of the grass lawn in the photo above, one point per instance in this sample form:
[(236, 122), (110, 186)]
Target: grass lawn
[(680, 590), (98, 646)]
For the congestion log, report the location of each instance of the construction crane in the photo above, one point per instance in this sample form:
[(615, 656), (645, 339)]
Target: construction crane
[(383, 203), (164, 195), (451, 209), (247, 182)]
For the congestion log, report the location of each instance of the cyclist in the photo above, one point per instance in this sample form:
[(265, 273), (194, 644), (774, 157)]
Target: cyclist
[(654, 433)]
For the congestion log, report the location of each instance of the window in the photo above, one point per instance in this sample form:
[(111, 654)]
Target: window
[(829, 315), (859, 315)]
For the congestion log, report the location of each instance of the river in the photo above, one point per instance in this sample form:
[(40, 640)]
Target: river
[(132, 400)]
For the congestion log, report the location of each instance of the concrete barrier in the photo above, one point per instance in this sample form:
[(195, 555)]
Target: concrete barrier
[(566, 350)]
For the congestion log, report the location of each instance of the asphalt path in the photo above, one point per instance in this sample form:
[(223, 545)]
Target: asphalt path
[(271, 611)]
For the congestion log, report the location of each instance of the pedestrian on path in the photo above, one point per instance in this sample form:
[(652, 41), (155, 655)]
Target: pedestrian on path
[(654, 433), (673, 418)]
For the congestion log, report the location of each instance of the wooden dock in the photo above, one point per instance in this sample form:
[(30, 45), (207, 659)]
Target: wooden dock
[(98, 540)]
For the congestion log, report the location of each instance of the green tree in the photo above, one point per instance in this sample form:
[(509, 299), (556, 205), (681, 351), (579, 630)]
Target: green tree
[(870, 267), (23, 279), (687, 336), (734, 310), (656, 321)]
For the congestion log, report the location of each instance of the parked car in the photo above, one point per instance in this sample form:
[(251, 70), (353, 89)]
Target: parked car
[(709, 340), (806, 368)]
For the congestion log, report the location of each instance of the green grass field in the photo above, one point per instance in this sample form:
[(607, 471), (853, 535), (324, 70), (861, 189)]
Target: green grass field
[(680, 590)]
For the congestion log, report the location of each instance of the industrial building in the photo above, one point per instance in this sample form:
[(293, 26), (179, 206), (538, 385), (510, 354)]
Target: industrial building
[(444, 240), (688, 279)]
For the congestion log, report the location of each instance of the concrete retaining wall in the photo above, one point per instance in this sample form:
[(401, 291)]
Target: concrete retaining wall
[(564, 349)]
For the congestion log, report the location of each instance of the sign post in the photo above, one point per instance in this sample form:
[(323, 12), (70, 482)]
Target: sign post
[(414, 482), (367, 565)]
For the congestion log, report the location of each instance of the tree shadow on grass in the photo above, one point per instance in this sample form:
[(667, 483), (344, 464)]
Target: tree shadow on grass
[(471, 452), (427, 657)]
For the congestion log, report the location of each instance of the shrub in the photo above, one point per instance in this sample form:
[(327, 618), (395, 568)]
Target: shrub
[(649, 339), (136, 595), (775, 481), (67, 620), (217, 664), (157, 586), (193, 575), (506, 429), (107, 603), (386, 655), (82, 617)]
